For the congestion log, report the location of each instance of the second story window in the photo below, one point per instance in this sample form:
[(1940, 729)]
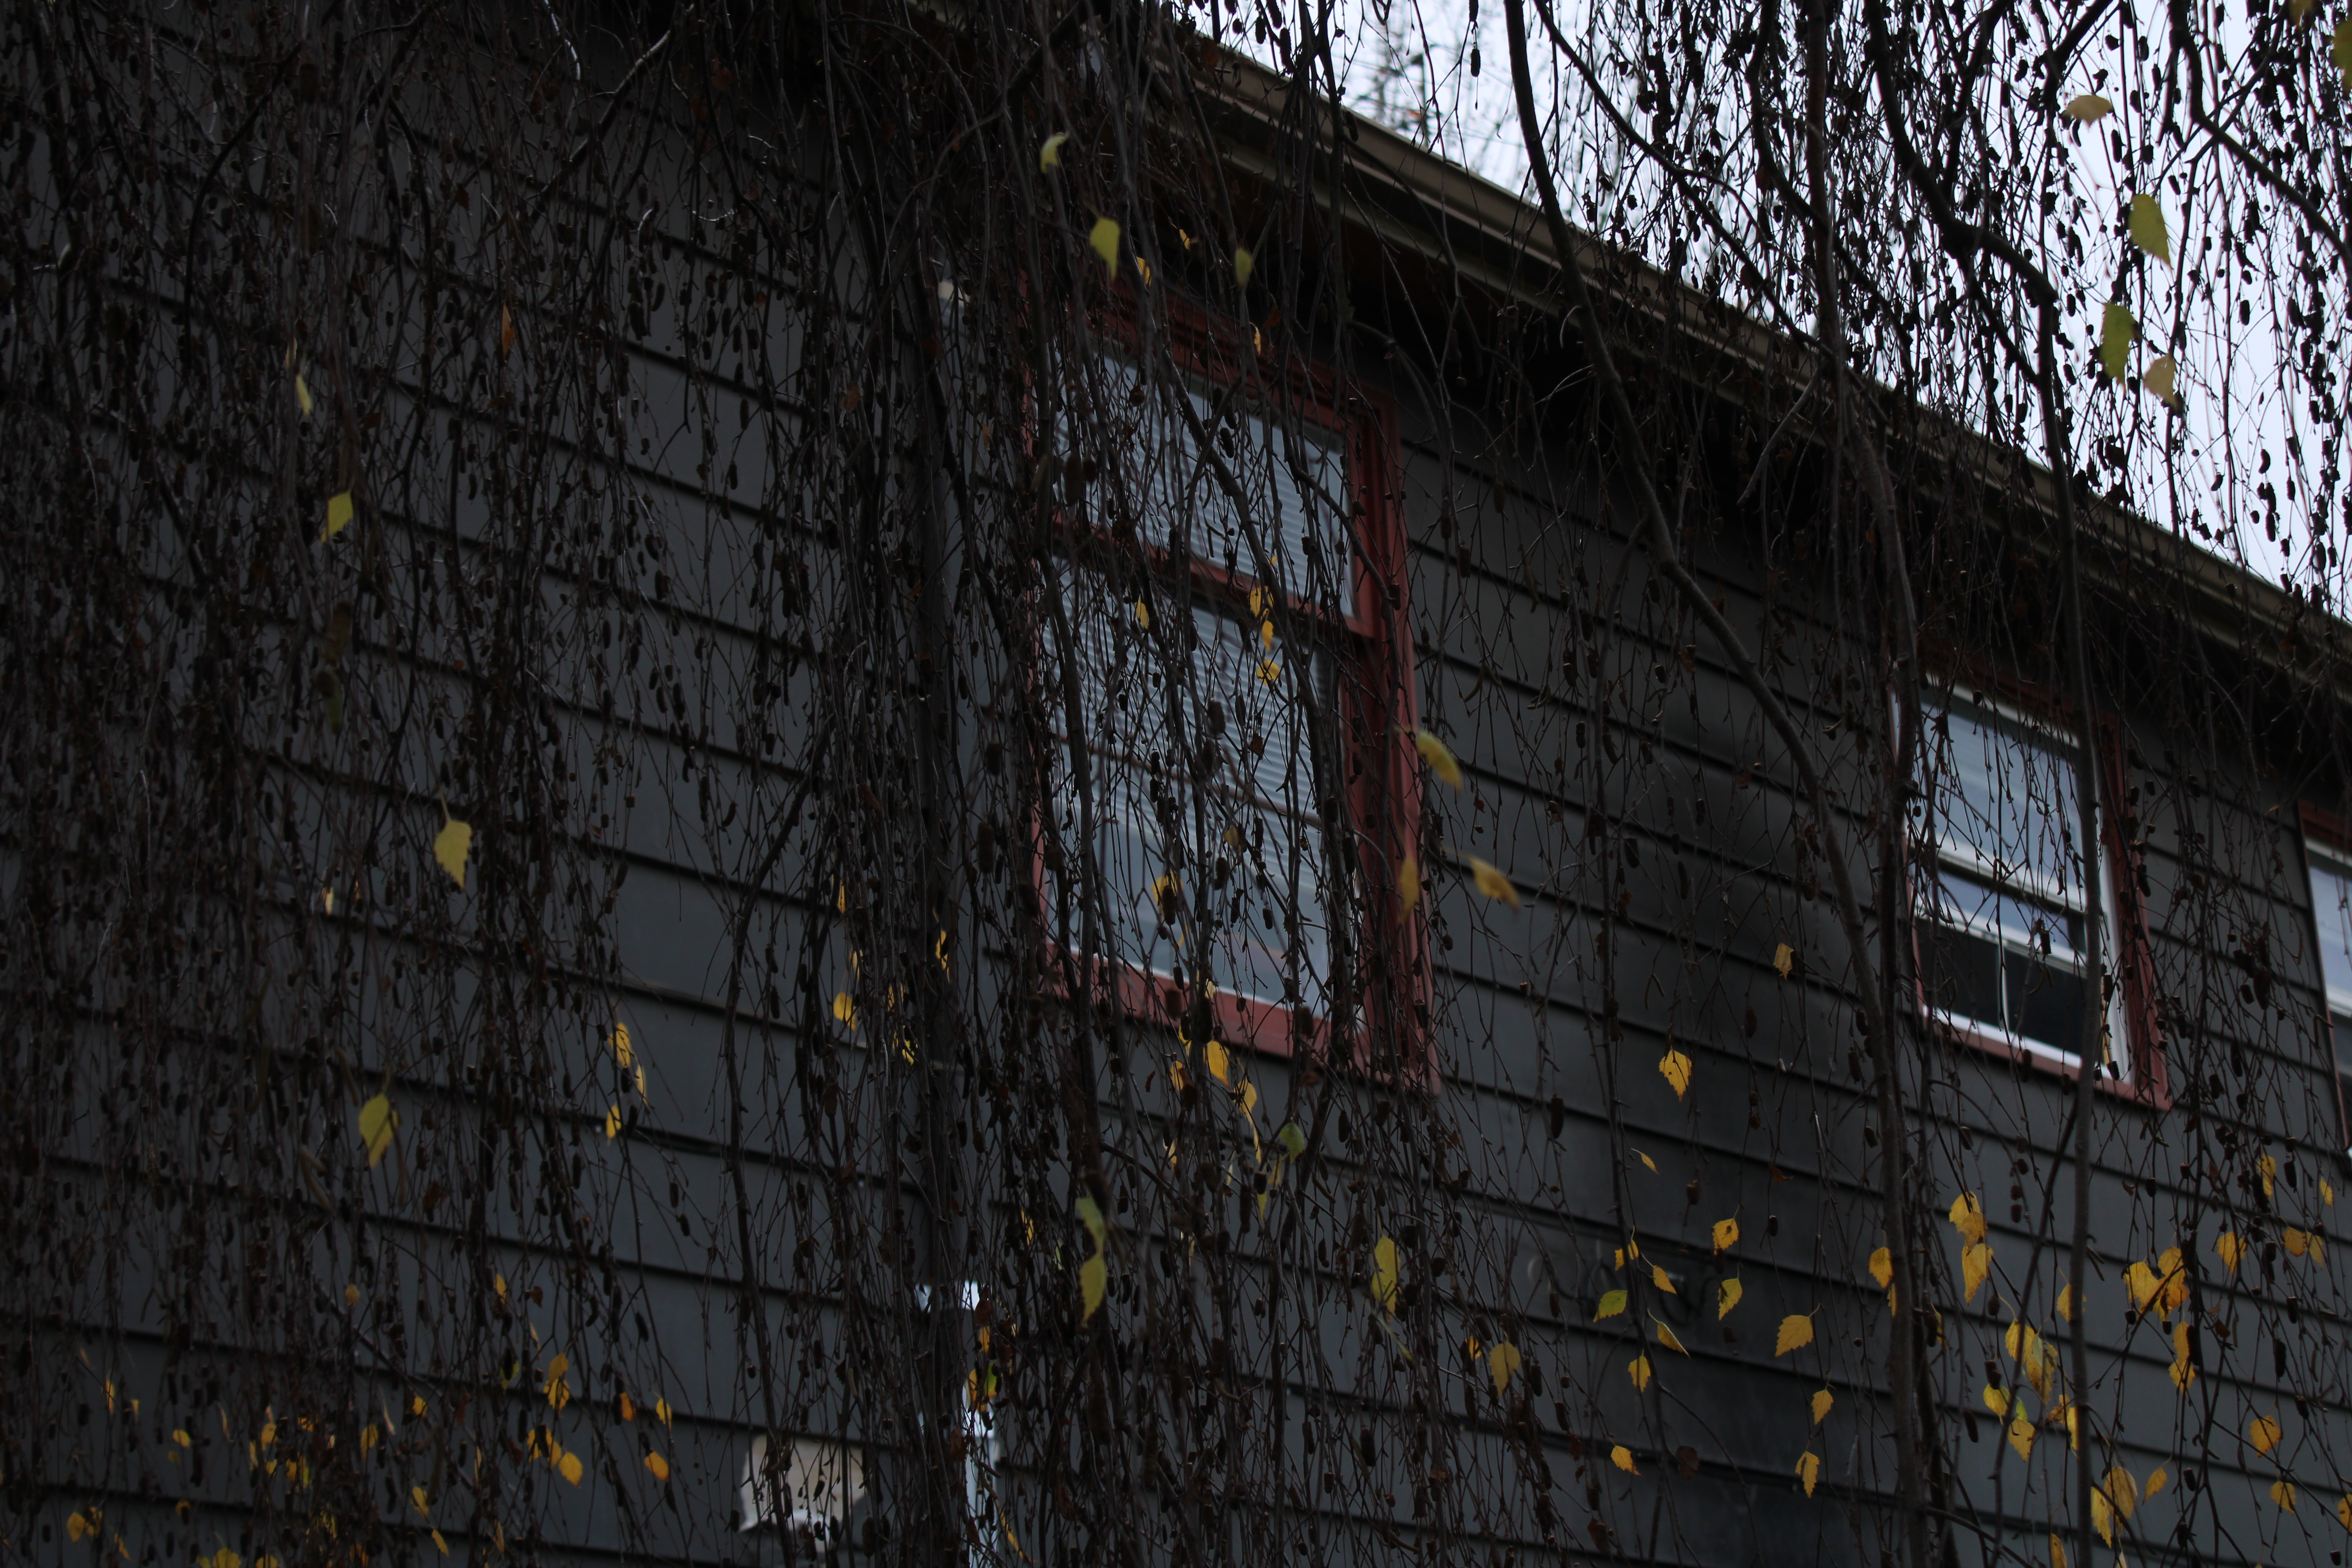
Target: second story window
[(2004, 890), (1233, 714), (2331, 903)]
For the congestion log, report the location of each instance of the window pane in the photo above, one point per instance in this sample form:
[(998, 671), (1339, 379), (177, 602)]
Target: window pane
[(1292, 475), (2331, 898), (2045, 1003), (2006, 796), (1962, 974), (1203, 785)]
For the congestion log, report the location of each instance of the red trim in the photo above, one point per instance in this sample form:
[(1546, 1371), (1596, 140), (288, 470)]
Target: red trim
[(2151, 1081), (1378, 711)]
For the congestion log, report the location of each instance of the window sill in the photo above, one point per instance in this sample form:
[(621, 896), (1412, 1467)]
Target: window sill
[(2137, 1090)]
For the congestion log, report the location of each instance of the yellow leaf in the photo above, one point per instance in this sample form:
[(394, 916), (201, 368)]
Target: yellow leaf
[(1998, 1401), (1104, 238), (1266, 636), (1822, 1400), (2160, 378), (1784, 959), (2117, 331), (2263, 1432), (2326, 1192), (1882, 1267), (1727, 1233), (1501, 1363), (2298, 1243), (1269, 670), (338, 516), (2143, 1283), (2148, 230), (571, 1467), (1967, 1217), (79, 1526), (2102, 1517), (302, 398), (1244, 264), (628, 1408), (1440, 759), (1727, 1296), (1093, 1275), (437, 1541), (622, 1049), (1409, 881), (351, 1295), (1049, 156), (1611, 1303), (844, 1009), (1658, 1277), (1677, 1068), (1219, 1063), (1646, 1160), (2171, 1265), (2156, 1479), (661, 1411), (2088, 108), (1639, 1371), (1143, 614), (451, 845), (2066, 1304), (1384, 1275), (1809, 1471), (1796, 1333), (659, 1465), (416, 1496), (1623, 1457), (2021, 1436), (2282, 1494), (506, 331), (2343, 1510), (2121, 1490), (2057, 1552), (1976, 1263), (1493, 883), (2230, 1250), (378, 1122), (613, 1122)]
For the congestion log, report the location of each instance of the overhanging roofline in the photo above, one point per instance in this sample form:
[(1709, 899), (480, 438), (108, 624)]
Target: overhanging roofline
[(1403, 194)]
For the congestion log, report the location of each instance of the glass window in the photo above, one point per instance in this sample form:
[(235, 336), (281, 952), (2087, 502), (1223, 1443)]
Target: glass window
[(1196, 713), (1293, 474), (2331, 902), (2001, 885)]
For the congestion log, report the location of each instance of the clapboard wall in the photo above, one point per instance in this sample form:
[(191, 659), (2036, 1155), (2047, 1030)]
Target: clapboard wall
[(1617, 770)]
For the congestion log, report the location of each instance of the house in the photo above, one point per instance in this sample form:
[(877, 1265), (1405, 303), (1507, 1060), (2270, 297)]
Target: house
[(823, 918)]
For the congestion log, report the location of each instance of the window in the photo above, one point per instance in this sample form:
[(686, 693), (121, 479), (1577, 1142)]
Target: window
[(2331, 904), (2003, 888), (1238, 698)]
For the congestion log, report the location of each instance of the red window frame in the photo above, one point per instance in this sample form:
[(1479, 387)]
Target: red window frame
[(2150, 1079), (2336, 834), (1372, 648)]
